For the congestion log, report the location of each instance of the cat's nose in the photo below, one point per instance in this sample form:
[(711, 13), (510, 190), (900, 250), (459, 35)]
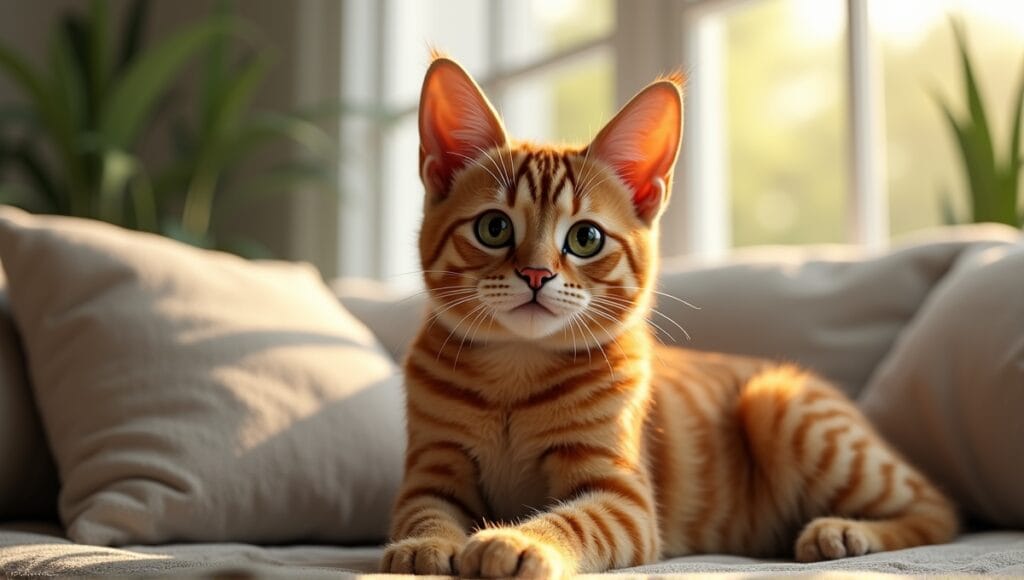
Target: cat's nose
[(535, 277)]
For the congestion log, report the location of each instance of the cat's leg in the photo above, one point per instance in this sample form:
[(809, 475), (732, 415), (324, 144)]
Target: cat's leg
[(607, 520), (869, 499), (436, 506)]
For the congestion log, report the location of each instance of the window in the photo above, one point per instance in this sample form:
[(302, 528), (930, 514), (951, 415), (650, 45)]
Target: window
[(807, 120)]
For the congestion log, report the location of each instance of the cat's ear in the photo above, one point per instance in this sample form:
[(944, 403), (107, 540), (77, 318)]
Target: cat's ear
[(642, 142), (457, 124)]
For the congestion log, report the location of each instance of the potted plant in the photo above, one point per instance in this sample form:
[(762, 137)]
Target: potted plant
[(75, 137), (993, 177)]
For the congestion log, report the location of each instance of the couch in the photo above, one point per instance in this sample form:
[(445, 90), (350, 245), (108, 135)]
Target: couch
[(176, 412)]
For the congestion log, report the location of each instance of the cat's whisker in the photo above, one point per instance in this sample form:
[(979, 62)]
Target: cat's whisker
[(511, 165), (585, 179), (574, 320), (598, 342), (476, 161), (474, 326), (417, 272), (456, 328), (591, 187), (447, 291), (572, 334), (669, 296), (608, 313), (433, 319), (627, 304), (505, 180)]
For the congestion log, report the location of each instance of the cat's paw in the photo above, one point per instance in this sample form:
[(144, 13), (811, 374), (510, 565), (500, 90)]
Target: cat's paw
[(508, 553), (420, 556), (831, 538)]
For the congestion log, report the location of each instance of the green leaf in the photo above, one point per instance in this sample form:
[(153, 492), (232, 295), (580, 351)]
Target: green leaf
[(234, 99), (69, 76), (134, 95), (946, 207), (1018, 113), (228, 108), (131, 35), (26, 199), (143, 202), (99, 52), (263, 128), (78, 37), (19, 114), (982, 169), (22, 74), (37, 92), (215, 70), (118, 168), (39, 178), (1015, 160), (51, 113)]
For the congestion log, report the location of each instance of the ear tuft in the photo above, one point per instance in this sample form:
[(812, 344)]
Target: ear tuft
[(677, 78), (456, 124), (641, 143)]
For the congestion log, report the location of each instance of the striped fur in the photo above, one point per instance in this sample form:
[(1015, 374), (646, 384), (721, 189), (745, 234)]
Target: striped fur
[(540, 449)]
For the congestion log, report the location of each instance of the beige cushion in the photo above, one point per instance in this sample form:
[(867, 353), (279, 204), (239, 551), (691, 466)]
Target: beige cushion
[(950, 395), (28, 479), (837, 310), (191, 395)]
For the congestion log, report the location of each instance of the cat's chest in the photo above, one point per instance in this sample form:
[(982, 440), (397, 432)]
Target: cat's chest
[(510, 474)]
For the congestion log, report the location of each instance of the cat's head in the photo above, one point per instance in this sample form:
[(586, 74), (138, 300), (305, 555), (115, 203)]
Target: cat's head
[(541, 243)]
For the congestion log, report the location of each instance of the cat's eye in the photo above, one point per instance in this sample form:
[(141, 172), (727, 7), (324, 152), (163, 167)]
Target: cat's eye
[(584, 240), (494, 229)]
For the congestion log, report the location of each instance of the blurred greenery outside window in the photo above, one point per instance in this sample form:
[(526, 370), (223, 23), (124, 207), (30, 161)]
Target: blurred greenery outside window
[(787, 109)]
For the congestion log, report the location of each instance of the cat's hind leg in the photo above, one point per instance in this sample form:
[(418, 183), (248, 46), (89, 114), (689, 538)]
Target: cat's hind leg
[(859, 495)]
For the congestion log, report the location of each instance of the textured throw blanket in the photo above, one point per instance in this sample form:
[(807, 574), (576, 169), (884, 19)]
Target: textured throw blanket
[(39, 550)]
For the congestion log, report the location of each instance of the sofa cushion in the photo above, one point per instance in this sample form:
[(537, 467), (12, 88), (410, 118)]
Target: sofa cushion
[(192, 395), (28, 478), (950, 394)]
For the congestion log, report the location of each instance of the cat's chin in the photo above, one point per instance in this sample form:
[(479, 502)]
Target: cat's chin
[(531, 321)]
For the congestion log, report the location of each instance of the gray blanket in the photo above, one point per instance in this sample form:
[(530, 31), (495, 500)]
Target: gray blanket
[(41, 550)]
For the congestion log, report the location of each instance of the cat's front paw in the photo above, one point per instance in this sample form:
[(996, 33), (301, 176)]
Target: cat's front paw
[(507, 553), (831, 538), (434, 556)]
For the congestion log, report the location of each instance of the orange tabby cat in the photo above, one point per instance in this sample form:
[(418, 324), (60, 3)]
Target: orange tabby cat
[(548, 433)]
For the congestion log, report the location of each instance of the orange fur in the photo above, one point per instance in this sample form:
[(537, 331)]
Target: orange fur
[(577, 444)]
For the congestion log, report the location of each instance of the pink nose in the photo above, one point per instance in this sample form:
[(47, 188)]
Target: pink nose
[(535, 277)]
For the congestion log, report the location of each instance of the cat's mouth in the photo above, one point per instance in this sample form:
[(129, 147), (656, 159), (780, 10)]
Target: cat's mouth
[(533, 307)]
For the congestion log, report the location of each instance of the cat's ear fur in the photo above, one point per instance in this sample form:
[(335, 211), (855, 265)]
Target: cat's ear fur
[(457, 123), (641, 144)]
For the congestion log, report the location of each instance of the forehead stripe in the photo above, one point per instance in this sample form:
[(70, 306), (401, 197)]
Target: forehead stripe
[(522, 171)]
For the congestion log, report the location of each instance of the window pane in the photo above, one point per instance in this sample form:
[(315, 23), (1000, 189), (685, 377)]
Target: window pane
[(401, 203), (458, 27), (533, 29), (921, 60), (786, 134), (567, 104)]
